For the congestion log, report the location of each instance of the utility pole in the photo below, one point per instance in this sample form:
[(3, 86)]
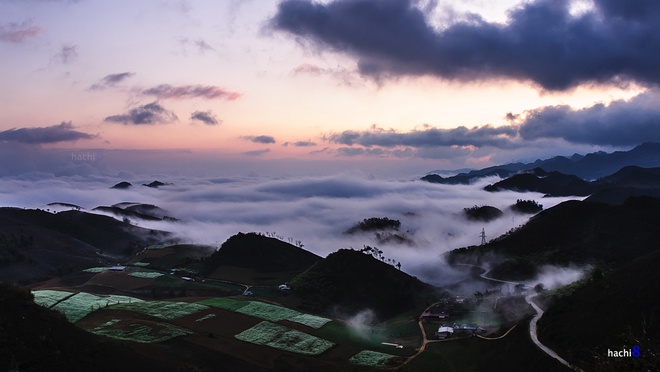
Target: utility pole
[(483, 236)]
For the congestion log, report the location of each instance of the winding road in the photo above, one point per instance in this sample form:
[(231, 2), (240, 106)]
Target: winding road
[(532, 324)]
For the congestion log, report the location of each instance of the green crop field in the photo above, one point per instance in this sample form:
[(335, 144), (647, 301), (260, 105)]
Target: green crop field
[(137, 332), (162, 309), (96, 269), (49, 297), (224, 303), (284, 338), (266, 311), (146, 274), (262, 310), (310, 320), (78, 306), (372, 359)]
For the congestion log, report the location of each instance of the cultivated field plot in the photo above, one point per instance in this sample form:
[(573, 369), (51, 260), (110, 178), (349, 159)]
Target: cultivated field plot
[(138, 331), (48, 297), (146, 274), (78, 306), (224, 303), (96, 269), (162, 309), (262, 310), (284, 338), (372, 359)]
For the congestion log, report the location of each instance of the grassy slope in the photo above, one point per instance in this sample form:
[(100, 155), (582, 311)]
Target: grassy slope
[(349, 281), (515, 352), (256, 259), (67, 241)]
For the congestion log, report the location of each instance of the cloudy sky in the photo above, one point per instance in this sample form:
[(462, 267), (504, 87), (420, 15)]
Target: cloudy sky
[(404, 85)]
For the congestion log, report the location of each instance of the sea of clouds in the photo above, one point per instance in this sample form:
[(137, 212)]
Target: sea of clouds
[(316, 210)]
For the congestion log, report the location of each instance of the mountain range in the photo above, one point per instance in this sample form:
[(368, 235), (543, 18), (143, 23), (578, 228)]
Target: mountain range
[(588, 167)]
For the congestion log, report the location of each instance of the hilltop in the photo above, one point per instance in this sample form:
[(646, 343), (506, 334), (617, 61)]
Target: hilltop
[(122, 185), (549, 183), (571, 232), (614, 188), (147, 212), (259, 254), (349, 281), (36, 244)]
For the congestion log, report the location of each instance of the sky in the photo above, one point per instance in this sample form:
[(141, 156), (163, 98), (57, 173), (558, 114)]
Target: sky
[(396, 87)]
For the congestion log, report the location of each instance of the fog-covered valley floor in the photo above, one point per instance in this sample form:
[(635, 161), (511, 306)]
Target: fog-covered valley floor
[(313, 210)]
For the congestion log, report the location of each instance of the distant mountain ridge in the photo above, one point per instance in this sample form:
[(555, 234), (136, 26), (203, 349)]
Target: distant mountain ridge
[(589, 167), (612, 189)]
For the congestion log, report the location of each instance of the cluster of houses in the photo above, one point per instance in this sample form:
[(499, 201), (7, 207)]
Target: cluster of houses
[(443, 311), (459, 329)]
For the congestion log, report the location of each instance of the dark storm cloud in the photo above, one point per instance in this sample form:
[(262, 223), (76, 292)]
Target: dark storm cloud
[(18, 32), (543, 42), (112, 79), (486, 135), (260, 139), (151, 113), (206, 117), (166, 91), (621, 123), (64, 132)]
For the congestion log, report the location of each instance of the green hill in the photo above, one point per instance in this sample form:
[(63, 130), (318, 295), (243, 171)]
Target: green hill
[(260, 253), (571, 232), (35, 244), (348, 281)]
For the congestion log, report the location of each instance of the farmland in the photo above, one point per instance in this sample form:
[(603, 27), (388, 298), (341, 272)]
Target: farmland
[(79, 305), (372, 359), (162, 309), (273, 327), (284, 338), (142, 332)]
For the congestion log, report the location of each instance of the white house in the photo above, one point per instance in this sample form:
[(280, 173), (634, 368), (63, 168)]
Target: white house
[(444, 332)]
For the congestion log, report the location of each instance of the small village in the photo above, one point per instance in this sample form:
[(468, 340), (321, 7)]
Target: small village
[(458, 316)]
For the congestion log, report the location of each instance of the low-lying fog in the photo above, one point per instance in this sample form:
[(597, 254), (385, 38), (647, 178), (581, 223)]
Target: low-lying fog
[(314, 210)]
